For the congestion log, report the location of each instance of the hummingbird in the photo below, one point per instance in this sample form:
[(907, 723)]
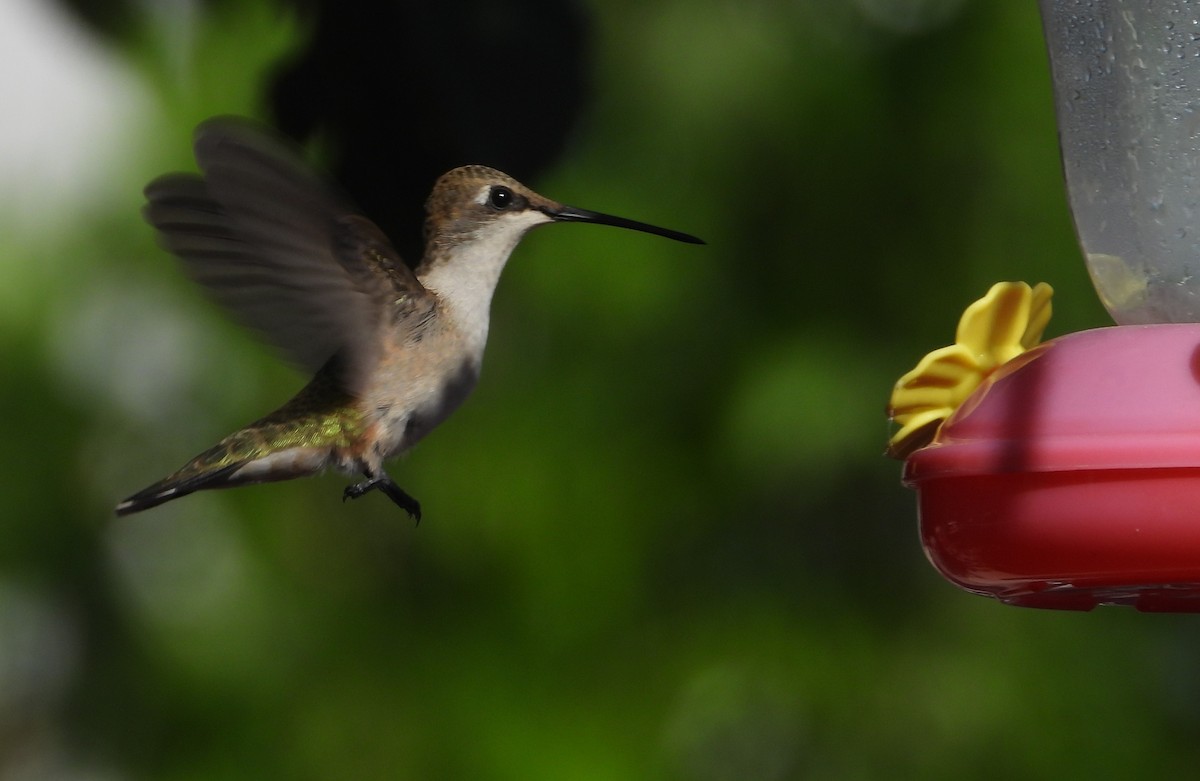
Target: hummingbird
[(392, 351)]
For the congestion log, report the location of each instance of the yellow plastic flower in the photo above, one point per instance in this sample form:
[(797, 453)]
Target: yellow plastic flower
[(993, 330)]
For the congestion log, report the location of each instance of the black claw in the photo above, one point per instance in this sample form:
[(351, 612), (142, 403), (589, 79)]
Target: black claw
[(357, 490), (381, 482)]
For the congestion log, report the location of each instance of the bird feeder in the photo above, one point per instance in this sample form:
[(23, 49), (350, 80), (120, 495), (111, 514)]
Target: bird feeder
[(1066, 474)]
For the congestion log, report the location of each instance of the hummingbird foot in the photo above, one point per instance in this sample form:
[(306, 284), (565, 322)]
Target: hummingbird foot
[(381, 482)]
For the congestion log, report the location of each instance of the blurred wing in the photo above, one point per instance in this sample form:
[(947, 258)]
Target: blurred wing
[(373, 264), (263, 234)]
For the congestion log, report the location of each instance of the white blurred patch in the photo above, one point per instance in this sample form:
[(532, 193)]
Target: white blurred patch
[(185, 573), (69, 107), (132, 347), (39, 652), (190, 574)]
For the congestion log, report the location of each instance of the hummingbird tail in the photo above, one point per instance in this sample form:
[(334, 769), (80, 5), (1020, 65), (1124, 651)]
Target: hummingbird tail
[(175, 486)]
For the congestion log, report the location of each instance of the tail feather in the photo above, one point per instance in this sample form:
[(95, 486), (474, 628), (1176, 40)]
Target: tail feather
[(179, 484), (295, 440)]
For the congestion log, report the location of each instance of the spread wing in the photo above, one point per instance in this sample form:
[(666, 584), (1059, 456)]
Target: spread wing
[(287, 257)]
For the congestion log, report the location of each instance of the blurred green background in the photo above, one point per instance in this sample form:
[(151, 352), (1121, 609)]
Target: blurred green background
[(660, 541)]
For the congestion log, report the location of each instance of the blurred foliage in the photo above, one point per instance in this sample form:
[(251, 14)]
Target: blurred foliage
[(661, 540)]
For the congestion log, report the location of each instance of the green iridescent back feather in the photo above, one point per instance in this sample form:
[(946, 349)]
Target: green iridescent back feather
[(320, 416)]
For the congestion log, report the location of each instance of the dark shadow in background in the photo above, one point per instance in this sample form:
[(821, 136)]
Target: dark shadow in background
[(403, 91)]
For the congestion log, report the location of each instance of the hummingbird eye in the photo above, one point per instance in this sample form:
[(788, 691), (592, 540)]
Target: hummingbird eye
[(500, 197)]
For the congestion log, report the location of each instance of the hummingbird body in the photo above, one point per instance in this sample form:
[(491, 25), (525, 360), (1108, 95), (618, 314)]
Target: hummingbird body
[(393, 351)]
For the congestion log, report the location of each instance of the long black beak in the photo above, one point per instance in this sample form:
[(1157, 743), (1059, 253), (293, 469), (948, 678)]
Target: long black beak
[(571, 214)]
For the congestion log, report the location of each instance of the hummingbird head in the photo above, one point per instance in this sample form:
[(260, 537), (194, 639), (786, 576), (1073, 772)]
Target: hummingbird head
[(474, 218), (475, 203)]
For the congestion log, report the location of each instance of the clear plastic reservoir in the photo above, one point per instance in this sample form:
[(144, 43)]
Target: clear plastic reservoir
[(1127, 93)]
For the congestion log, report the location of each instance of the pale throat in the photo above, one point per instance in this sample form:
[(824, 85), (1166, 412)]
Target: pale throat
[(464, 273), (465, 278)]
